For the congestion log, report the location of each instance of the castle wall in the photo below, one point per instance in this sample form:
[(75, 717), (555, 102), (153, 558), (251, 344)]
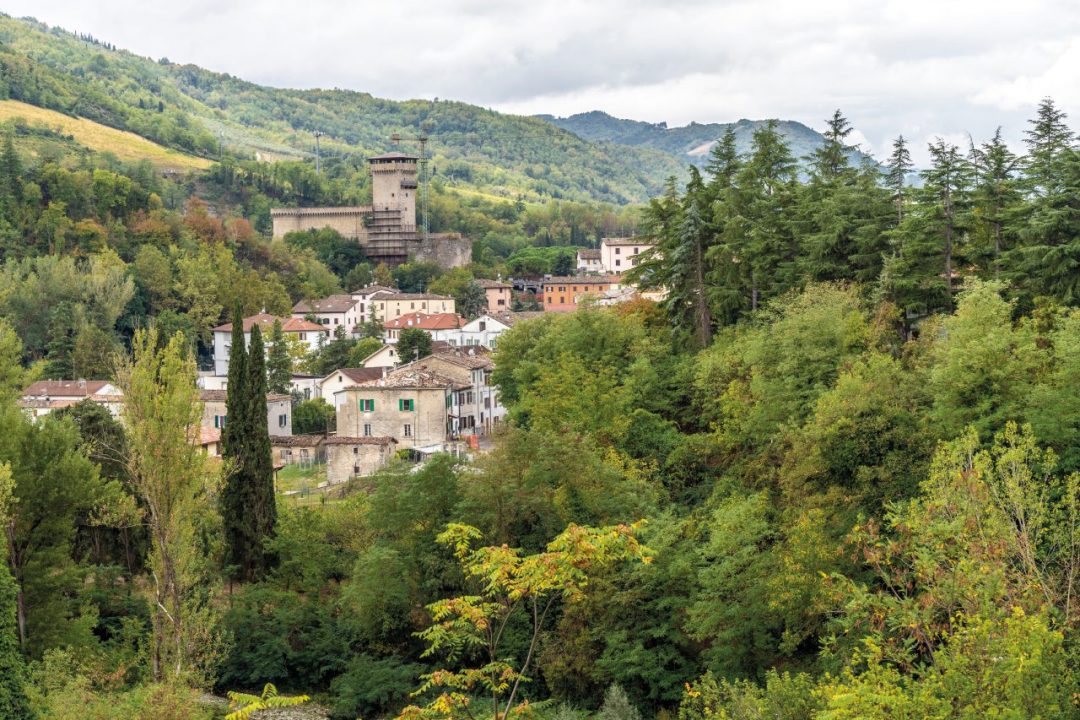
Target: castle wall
[(349, 221), (447, 250)]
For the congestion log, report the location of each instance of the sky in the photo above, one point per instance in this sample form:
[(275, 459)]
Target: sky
[(926, 69)]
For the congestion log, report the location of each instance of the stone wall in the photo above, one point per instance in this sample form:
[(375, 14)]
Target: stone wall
[(349, 221), (447, 250), (427, 421), (345, 460)]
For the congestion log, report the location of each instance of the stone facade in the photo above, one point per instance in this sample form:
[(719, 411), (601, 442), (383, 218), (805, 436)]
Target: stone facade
[(447, 250), (407, 405), (349, 457), (278, 411)]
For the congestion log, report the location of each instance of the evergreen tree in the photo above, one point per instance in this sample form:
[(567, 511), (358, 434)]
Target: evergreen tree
[(413, 344), (13, 700), (946, 182), (898, 167), (278, 364), (1047, 140), (234, 441), (995, 197), (261, 508), (473, 301)]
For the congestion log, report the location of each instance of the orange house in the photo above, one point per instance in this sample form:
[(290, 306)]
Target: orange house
[(563, 294)]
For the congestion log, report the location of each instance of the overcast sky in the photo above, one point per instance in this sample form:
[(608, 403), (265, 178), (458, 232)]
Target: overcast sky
[(923, 68)]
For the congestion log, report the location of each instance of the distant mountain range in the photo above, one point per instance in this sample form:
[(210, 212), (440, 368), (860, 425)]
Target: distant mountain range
[(690, 143)]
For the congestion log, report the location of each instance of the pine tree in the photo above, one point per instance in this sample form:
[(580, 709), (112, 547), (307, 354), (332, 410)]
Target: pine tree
[(278, 364), (1047, 140), (262, 508), (899, 166), (996, 196)]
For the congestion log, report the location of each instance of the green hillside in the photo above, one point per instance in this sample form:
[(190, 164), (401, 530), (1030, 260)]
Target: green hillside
[(191, 109), (688, 144)]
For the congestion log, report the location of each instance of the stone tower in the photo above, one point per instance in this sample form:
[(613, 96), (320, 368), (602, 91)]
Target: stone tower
[(393, 185)]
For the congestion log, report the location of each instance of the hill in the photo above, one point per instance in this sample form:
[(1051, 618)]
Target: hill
[(690, 143), (195, 110), (126, 146)]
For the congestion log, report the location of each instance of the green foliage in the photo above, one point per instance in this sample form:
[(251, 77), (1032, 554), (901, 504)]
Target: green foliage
[(372, 687), (243, 705), (413, 344), (313, 417), (13, 701), (617, 706)]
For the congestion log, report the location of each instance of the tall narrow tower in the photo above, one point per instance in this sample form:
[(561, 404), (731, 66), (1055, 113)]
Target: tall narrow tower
[(394, 186)]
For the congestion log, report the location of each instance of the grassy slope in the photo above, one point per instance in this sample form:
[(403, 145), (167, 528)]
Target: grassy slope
[(124, 145)]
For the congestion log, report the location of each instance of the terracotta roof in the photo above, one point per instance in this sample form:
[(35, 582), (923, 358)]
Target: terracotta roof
[(208, 436), (414, 296), (266, 322), (463, 358), (223, 395), (417, 377), (580, 280), (295, 440), (372, 289), (360, 374), (612, 242), (434, 321), (66, 388), (588, 254), (485, 283), (331, 304), (339, 440)]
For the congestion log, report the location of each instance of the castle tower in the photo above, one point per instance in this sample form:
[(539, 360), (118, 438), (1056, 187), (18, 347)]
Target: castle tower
[(393, 185)]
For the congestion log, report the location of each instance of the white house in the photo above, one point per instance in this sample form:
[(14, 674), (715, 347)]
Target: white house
[(617, 255), (313, 334), (363, 298), (588, 261), (440, 326), (344, 378), (484, 331), (44, 396), (334, 311)]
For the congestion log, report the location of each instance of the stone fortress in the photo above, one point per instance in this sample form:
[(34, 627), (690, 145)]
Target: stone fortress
[(386, 229)]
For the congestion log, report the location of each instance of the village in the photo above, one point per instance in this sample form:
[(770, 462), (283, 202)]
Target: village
[(389, 406)]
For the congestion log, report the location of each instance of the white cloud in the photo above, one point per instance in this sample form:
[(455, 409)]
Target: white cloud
[(924, 68)]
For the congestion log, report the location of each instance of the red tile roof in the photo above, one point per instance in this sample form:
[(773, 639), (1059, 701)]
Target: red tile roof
[(435, 321), (266, 323), (331, 304), (66, 388)]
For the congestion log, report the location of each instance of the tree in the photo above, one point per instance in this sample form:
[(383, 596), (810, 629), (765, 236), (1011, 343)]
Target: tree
[(313, 417), (278, 364), (247, 501), (507, 586), (413, 344), (472, 301), (171, 474), (13, 700), (243, 705), (898, 168), (996, 196), (262, 507)]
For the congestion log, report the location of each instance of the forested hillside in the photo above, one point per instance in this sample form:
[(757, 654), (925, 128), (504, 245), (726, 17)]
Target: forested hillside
[(193, 109), (689, 143), (834, 474)]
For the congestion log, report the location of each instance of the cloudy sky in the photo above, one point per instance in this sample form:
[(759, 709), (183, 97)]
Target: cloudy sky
[(922, 68)]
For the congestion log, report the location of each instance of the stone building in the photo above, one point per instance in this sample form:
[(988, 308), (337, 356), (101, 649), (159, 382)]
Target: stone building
[(349, 457), (278, 411), (386, 229), (408, 404)]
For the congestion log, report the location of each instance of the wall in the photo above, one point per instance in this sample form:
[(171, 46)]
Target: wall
[(564, 296), (345, 460), (349, 221), (447, 250), (428, 420)]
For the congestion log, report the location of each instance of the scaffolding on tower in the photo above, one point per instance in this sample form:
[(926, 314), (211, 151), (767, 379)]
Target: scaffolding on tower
[(420, 140)]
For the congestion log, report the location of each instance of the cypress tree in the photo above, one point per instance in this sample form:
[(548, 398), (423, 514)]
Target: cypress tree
[(234, 437), (261, 508)]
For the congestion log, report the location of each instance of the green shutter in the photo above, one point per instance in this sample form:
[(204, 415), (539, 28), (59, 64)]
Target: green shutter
[(371, 405)]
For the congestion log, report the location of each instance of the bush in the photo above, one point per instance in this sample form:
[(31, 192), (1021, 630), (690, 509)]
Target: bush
[(372, 687)]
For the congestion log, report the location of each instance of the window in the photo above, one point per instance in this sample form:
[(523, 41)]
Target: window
[(408, 431), (355, 450), (483, 325), (366, 405), (618, 263), (367, 429), (501, 301), (449, 400), (303, 336), (282, 420), (405, 405), (636, 250), (618, 251), (562, 300), (355, 469), (219, 421)]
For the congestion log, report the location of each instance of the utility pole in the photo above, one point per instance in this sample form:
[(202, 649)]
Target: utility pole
[(318, 164)]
